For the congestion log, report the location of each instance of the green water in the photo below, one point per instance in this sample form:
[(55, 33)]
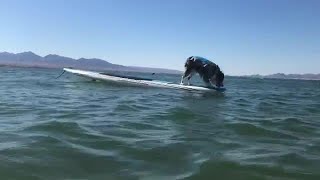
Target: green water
[(74, 128)]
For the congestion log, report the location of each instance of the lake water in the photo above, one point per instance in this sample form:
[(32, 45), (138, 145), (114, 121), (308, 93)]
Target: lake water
[(74, 128)]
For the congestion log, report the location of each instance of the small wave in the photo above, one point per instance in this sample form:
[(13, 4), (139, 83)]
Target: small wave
[(247, 129), (222, 169)]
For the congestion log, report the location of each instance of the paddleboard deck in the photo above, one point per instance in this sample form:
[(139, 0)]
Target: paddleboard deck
[(138, 81)]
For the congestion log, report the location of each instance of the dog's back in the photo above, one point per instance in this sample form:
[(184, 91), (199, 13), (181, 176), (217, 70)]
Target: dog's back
[(197, 63)]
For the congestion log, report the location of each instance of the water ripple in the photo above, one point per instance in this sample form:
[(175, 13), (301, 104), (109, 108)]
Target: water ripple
[(74, 128)]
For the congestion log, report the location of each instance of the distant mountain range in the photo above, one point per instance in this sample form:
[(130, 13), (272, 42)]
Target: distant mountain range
[(30, 59), (289, 76)]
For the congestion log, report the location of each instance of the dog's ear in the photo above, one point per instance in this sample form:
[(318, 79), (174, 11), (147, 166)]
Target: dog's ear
[(192, 58)]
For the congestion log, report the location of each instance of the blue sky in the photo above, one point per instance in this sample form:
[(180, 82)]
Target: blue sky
[(241, 36)]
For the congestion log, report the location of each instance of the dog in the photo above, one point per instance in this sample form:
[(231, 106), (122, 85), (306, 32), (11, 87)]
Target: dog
[(209, 72)]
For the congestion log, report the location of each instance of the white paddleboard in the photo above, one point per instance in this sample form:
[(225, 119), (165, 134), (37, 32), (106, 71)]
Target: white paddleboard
[(137, 81)]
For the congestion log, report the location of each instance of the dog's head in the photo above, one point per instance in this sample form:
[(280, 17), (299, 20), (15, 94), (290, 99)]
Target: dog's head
[(219, 79)]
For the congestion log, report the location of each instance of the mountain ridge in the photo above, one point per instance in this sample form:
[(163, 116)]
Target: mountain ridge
[(304, 76), (30, 59)]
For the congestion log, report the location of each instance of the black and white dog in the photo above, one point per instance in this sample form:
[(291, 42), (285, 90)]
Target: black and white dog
[(208, 71)]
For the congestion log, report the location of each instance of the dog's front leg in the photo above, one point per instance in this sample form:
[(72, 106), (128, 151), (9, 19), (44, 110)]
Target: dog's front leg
[(182, 79), (212, 82), (186, 74), (190, 76), (189, 79)]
